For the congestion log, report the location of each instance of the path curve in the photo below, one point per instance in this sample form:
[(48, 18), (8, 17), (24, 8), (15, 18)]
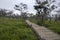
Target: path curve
[(43, 32)]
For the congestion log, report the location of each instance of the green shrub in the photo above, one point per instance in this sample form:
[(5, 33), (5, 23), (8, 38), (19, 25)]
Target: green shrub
[(39, 23)]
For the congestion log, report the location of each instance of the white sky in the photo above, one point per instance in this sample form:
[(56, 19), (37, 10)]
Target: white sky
[(9, 4)]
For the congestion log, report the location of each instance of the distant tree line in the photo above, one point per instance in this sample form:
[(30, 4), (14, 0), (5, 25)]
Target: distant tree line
[(8, 14)]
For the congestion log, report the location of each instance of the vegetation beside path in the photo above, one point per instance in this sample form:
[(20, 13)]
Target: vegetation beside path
[(15, 29), (54, 25)]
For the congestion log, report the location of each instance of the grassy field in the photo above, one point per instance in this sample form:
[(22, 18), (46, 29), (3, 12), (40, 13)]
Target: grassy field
[(54, 26), (14, 29)]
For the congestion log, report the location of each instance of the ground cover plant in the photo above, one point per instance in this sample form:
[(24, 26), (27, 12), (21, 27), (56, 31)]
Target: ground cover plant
[(15, 29)]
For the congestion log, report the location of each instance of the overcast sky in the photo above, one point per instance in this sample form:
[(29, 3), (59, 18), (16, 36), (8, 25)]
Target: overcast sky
[(9, 4)]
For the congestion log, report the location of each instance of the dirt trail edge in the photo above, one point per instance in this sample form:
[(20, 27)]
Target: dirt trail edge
[(43, 32)]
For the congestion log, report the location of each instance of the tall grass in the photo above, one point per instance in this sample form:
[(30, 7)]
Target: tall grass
[(54, 26), (15, 29)]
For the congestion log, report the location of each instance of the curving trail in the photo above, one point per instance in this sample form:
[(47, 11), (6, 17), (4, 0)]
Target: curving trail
[(43, 32)]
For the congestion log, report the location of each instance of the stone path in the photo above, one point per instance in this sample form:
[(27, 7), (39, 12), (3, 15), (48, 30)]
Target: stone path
[(43, 32)]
